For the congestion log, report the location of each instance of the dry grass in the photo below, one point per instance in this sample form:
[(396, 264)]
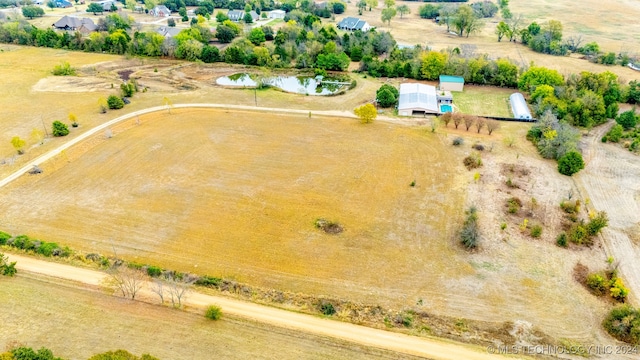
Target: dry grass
[(237, 195), (76, 324), (481, 100)]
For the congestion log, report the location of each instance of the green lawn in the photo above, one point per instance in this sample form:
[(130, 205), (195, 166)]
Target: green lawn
[(481, 100)]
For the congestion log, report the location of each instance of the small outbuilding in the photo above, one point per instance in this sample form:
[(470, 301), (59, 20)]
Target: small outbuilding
[(277, 14), (451, 83), (519, 107), (417, 99)]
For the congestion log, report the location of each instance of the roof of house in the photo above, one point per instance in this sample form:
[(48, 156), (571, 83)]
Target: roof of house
[(168, 31), (235, 14), (352, 23), (451, 79), (162, 8), (418, 96), (73, 22), (277, 12)]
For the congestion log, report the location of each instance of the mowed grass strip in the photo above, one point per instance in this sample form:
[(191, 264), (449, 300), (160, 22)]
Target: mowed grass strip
[(76, 324), (237, 194)]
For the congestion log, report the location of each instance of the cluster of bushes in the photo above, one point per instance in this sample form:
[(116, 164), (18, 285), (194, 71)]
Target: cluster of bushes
[(557, 140), (63, 69), (472, 161), (387, 96), (577, 230), (7, 268), (607, 283), (623, 323), (27, 353), (26, 243), (625, 128), (585, 100), (470, 234)]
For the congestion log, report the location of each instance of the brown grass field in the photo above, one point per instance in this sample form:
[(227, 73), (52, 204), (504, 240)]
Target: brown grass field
[(76, 324), (236, 195)]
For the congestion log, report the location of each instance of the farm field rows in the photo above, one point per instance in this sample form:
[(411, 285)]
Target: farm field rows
[(236, 195), (77, 324)]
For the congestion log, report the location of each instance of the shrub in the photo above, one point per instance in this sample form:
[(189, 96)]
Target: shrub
[(115, 102), (615, 134), (597, 284), (59, 129), (154, 271), (4, 237), (47, 248), (209, 281), (387, 96), (570, 163), (623, 323), (577, 234), (329, 227), (469, 234), (596, 224), (63, 69), (561, 240), (627, 119), (129, 88), (473, 161), (536, 231), (570, 207), (213, 312), (513, 205), (617, 290), (458, 141), (326, 308), (478, 147)]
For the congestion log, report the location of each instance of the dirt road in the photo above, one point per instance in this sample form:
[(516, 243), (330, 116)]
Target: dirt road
[(609, 180), (428, 348)]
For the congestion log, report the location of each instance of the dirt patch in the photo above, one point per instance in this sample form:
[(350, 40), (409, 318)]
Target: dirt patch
[(329, 227), (71, 84), (125, 74)]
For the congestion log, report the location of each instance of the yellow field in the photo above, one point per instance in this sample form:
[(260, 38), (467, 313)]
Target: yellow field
[(237, 195), (76, 324)]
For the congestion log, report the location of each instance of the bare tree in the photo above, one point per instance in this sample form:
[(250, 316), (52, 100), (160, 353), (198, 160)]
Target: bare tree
[(446, 118), (158, 288), (492, 125), (127, 280), (468, 121), (457, 119), (480, 123), (178, 290), (514, 26)]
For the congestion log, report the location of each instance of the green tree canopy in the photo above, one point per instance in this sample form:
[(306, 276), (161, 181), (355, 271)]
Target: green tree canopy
[(570, 163)]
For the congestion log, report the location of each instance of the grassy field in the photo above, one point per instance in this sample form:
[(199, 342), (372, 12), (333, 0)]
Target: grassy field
[(481, 100), (77, 323), (237, 194)]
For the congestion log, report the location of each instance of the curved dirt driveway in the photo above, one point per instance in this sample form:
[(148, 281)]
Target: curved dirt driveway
[(428, 348), (609, 180)]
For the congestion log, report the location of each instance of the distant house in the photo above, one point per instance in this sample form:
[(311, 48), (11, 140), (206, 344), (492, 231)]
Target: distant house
[(451, 83), (63, 4), (72, 23), (238, 15), (107, 4), (320, 5), (353, 24), (168, 31), (160, 11), (277, 14)]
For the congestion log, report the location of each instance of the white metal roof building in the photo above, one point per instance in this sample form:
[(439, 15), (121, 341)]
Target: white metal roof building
[(519, 107), (417, 98)]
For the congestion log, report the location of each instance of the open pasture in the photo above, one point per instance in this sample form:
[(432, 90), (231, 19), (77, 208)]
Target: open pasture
[(237, 194)]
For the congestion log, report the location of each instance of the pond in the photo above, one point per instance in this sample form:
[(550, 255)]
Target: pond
[(295, 84)]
